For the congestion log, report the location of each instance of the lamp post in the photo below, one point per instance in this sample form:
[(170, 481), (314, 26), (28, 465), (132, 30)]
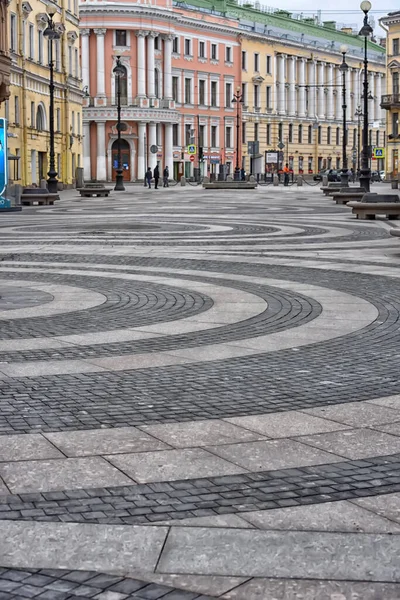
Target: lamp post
[(51, 34), (358, 114), (238, 100), (344, 177), (365, 31), (119, 178)]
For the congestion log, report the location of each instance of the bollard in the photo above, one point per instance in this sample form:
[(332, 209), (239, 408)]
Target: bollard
[(325, 180), (299, 181), (229, 178), (276, 180), (80, 182), (252, 179), (183, 180), (206, 180), (395, 184)]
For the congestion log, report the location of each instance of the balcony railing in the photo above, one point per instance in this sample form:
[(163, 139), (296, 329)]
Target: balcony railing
[(108, 101), (390, 100)]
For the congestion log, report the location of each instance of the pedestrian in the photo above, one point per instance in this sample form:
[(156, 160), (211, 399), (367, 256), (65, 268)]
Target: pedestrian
[(166, 177), (286, 174), (242, 174), (148, 177), (156, 177)]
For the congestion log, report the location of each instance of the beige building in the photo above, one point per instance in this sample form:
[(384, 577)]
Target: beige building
[(27, 108), (5, 61)]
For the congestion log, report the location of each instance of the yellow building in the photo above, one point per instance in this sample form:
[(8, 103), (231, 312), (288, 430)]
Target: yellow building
[(391, 99), (292, 93), (27, 108)]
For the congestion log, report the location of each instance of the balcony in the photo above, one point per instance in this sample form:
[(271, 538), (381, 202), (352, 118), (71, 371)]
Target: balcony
[(390, 101)]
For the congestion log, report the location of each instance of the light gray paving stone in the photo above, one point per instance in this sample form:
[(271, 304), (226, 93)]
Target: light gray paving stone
[(211, 521), (286, 424), (101, 548), (393, 428), (104, 441), (173, 464), (281, 554), (3, 488), (387, 505), (213, 585), (65, 474), (200, 433), (305, 589), (357, 414), (43, 367), (26, 447), (330, 516), (355, 443), (388, 401), (273, 454)]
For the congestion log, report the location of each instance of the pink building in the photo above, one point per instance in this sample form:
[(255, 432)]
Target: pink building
[(182, 68)]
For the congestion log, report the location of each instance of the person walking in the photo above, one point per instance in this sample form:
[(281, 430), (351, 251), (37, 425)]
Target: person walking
[(166, 177), (148, 177), (286, 174), (156, 177)]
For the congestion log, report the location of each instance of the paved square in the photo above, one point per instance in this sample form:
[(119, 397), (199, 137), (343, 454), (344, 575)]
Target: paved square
[(356, 443)]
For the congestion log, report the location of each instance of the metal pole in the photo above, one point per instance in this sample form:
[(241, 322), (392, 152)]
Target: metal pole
[(344, 178), (359, 142), (365, 173), (52, 183), (119, 179)]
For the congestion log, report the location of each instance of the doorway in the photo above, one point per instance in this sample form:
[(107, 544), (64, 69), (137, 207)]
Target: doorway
[(42, 160), (125, 160)]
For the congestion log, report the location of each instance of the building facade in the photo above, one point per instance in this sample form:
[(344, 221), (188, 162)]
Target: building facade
[(27, 108), (180, 72), (5, 61), (391, 99)]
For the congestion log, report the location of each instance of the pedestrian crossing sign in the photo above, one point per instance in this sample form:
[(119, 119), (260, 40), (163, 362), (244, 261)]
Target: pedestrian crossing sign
[(378, 153), (191, 149)]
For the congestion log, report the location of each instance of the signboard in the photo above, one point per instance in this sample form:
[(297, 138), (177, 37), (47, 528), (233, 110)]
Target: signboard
[(192, 158), (378, 153), (253, 147), (191, 149), (3, 155), (281, 145), (271, 157)]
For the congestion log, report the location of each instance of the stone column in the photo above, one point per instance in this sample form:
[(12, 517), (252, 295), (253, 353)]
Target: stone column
[(101, 88), (281, 91), (349, 89), (371, 90), (339, 99), (152, 158), (87, 170), (101, 174), (150, 64), (168, 150), (311, 89), (378, 93), (141, 64), (141, 150), (85, 33), (330, 112), (356, 98), (292, 86), (168, 67), (321, 91), (302, 89)]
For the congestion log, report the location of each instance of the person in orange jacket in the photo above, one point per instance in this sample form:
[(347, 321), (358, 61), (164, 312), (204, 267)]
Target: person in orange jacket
[(286, 174)]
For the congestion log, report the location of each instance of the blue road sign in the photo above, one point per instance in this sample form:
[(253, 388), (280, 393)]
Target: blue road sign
[(3, 155)]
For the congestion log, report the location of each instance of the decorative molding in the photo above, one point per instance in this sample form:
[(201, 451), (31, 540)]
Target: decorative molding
[(101, 31), (72, 36), (83, 32), (26, 9), (42, 21), (141, 33)]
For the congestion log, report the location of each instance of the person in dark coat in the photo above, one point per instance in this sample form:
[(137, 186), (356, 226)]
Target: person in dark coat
[(166, 177), (148, 177), (242, 174), (156, 177)]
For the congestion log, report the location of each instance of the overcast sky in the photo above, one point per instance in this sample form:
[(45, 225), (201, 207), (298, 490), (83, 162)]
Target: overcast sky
[(342, 11)]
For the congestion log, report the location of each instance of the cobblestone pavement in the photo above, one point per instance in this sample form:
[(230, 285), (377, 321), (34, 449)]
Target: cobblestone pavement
[(199, 398)]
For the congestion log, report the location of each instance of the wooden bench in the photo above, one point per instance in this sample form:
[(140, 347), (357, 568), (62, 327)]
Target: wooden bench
[(38, 197), (344, 195), (90, 190), (377, 204)]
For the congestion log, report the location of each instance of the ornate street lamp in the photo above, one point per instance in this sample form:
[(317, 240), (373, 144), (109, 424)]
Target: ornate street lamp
[(358, 115), (344, 178), (119, 71), (51, 34), (238, 99), (365, 31)]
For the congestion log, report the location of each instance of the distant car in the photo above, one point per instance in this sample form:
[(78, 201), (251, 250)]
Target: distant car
[(332, 175), (383, 175), (377, 175)]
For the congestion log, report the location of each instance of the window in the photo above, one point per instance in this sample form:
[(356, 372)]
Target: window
[(58, 119), (120, 37), (244, 93), (310, 134), (337, 136), (201, 136), (188, 90), (395, 124), (268, 140), (31, 42), (280, 131), (268, 97), (300, 134), (256, 61), (228, 137), (377, 139), (256, 127), (228, 95), (188, 47), (244, 60), (228, 54), (16, 110), (13, 33), (175, 88), (269, 63), (202, 92), (319, 134), (32, 114), (256, 96), (328, 136), (156, 83), (355, 137), (23, 40), (175, 134), (40, 118), (290, 135), (214, 54), (175, 45), (69, 60), (213, 136), (57, 62), (73, 123), (40, 47), (202, 49), (243, 132), (396, 46), (213, 93), (187, 134), (76, 63), (78, 122), (396, 83), (156, 43)]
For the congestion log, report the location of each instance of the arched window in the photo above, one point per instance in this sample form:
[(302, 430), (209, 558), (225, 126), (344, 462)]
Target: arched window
[(40, 118), (156, 83), (123, 82)]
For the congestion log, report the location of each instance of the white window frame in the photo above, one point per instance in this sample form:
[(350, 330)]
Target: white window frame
[(128, 38), (244, 62), (31, 33), (13, 32), (214, 45), (256, 58), (228, 100), (190, 47), (201, 41), (191, 79), (230, 129), (204, 79), (216, 135), (216, 81), (268, 58), (177, 51), (40, 47), (230, 61)]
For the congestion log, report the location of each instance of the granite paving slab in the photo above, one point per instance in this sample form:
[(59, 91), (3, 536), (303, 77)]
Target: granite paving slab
[(387, 506), (362, 414), (355, 443), (27, 447)]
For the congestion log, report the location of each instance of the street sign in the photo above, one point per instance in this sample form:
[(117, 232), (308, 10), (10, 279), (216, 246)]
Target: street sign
[(281, 145), (378, 153), (153, 149), (3, 155), (271, 157), (192, 158), (191, 149)]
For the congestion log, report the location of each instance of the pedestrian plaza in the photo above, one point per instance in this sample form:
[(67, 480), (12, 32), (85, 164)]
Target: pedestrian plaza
[(199, 398)]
